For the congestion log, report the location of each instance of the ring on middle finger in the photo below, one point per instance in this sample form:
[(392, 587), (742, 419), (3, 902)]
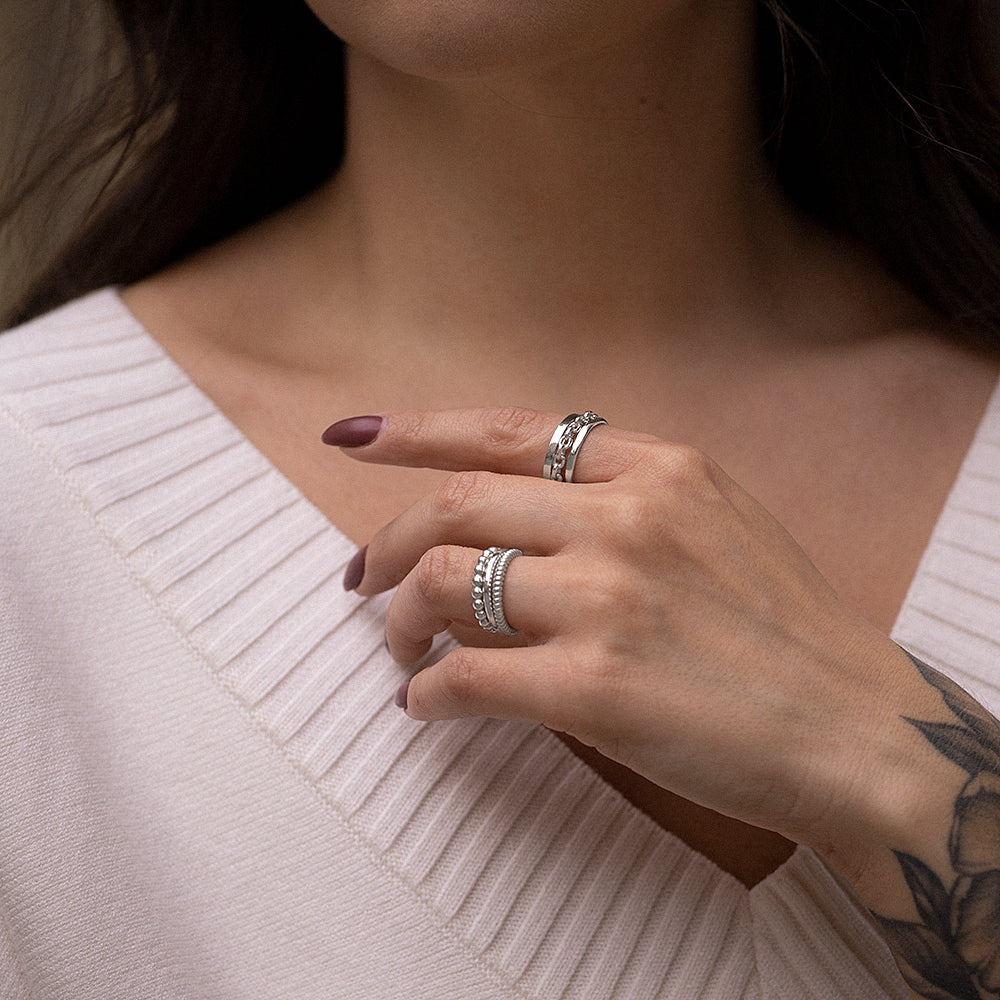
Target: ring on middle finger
[(487, 588)]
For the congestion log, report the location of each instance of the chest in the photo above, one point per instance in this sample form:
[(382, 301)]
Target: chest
[(859, 489)]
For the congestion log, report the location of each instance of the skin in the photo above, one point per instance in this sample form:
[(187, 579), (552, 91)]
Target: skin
[(523, 190), (668, 621), (665, 619)]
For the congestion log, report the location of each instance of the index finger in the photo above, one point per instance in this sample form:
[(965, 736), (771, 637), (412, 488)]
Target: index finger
[(511, 440)]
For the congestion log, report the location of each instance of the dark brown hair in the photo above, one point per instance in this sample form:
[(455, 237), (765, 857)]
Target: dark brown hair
[(881, 119), (889, 132), (200, 117)]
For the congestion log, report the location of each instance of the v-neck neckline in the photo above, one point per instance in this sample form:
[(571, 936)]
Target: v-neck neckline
[(495, 826), (345, 544)]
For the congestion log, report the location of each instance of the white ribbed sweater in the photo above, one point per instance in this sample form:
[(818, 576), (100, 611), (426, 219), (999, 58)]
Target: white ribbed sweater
[(206, 791)]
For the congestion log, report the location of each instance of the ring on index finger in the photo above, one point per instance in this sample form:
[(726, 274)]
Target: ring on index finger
[(560, 459)]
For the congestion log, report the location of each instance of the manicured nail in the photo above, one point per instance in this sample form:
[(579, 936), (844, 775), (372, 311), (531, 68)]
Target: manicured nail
[(352, 432), (355, 569), (401, 693)]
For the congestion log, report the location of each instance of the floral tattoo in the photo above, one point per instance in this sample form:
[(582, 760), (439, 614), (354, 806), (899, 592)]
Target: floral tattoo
[(953, 953)]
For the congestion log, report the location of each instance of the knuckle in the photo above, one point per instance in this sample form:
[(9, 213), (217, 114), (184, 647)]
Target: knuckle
[(634, 455), (458, 676), (635, 509), (612, 681), (407, 426), (686, 464), (598, 684), (602, 589), (405, 645), (461, 492), (606, 596), (680, 474), (617, 604), (511, 427), (432, 572), (627, 517)]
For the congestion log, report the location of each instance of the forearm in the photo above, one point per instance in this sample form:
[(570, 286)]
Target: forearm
[(935, 889)]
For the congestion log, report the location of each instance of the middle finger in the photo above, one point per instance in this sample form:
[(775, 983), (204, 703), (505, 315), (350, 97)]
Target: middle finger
[(475, 509), (437, 594)]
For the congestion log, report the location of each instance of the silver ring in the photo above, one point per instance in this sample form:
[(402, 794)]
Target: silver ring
[(560, 459), (479, 589), (487, 588)]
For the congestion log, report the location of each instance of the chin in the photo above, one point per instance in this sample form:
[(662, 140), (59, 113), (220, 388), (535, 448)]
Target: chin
[(460, 39)]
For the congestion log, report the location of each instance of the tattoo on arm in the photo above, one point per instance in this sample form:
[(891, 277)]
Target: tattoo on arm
[(953, 952)]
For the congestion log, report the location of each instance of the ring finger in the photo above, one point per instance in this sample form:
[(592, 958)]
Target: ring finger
[(437, 594)]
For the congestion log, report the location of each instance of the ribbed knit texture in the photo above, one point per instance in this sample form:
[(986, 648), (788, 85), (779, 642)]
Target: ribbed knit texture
[(513, 852), (952, 614)]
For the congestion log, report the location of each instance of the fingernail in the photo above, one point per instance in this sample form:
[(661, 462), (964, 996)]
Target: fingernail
[(355, 569), (401, 693), (352, 432)]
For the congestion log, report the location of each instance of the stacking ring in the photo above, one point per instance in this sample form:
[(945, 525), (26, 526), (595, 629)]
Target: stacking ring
[(487, 588), (560, 459)]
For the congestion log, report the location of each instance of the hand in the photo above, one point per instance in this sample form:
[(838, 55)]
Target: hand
[(665, 618)]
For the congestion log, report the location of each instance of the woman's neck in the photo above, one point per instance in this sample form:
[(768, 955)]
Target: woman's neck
[(618, 194), (622, 189), (582, 186)]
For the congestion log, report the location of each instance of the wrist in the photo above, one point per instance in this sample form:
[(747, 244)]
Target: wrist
[(928, 865), (892, 792)]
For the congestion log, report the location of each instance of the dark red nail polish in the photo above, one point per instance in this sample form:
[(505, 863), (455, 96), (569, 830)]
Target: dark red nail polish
[(355, 569), (352, 432), (401, 693)]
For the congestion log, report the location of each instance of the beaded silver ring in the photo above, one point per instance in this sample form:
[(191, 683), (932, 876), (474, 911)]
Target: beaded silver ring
[(480, 589)]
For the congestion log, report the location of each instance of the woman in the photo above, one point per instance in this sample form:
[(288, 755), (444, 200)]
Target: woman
[(539, 208)]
